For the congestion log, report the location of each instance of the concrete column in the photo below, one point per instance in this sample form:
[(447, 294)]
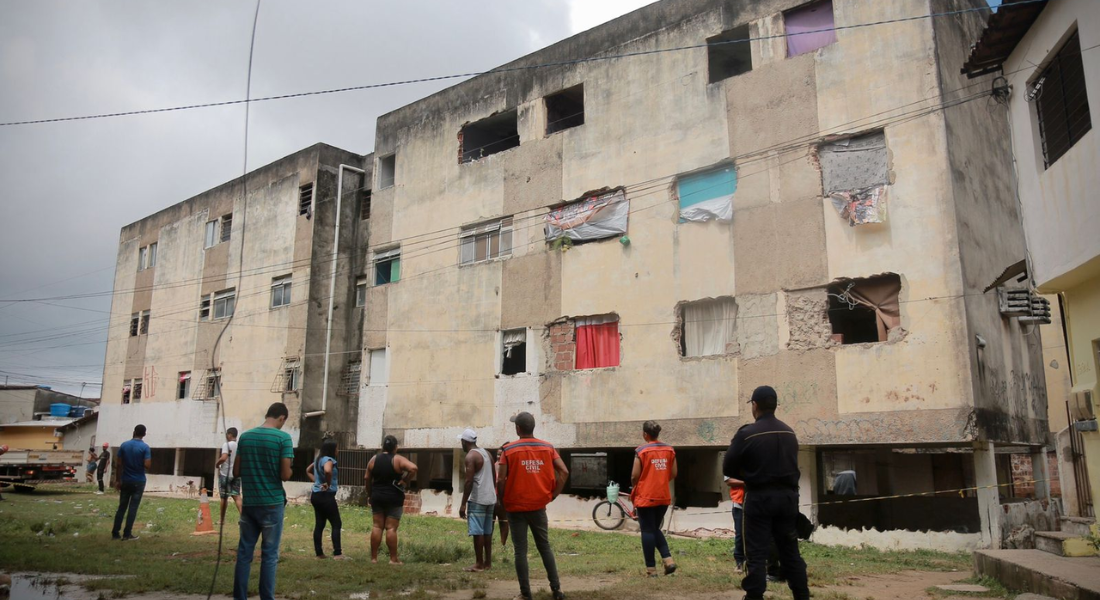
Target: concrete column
[(457, 482), (178, 468), (1067, 477), (989, 496), (807, 483), (1040, 473)]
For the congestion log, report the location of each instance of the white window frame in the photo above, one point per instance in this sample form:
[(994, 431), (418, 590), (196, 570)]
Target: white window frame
[(280, 287), (228, 300), (211, 234), (152, 255), (292, 376), (393, 254), (498, 232), (143, 258), (379, 375)]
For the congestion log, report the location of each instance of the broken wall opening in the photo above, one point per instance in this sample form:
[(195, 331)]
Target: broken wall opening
[(935, 474), (707, 327), (729, 54), (855, 174), (565, 109), (488, 136), (699, 478), (513, 359), (865, 310), (435, 470)]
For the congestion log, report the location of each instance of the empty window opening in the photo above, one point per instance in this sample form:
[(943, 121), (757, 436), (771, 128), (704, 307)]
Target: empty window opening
[(361, 292), (224, 303), (513, 360), (804, 27), (280, 291), (227, 227), (1062, 105), (135, 320), (211, 234), (379, 367), (729, 54), (305, 199), (138, 384), (387, 267), (364, 205), (565, 109), (488, 136), (865, 310), (708, 328), (596, 217), (183, 387), (144, 327), (486, 241), (387, 171), (707, 195), (597, 341)]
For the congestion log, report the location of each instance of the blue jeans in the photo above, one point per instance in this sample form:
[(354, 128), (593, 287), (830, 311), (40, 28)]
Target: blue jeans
[(129, 498), (738, 536), (257, 520)]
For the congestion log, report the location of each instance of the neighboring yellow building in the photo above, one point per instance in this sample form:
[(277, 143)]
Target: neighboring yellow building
[(1047, 59), (34, 435)]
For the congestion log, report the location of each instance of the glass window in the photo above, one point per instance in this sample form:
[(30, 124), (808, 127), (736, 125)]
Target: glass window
[(486, 241), (280, 291), (224, 303), (361, 291), (211, 233), (379, 367), (387, 267)]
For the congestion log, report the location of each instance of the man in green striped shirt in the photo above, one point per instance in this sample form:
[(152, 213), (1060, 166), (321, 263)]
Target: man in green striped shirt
[(264, 456)]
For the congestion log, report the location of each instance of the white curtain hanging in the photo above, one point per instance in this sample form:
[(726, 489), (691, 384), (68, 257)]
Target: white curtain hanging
[(710, 327)]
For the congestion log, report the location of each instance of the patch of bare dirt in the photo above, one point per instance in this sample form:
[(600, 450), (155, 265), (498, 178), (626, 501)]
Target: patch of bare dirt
[(501, 589), (905, 585)]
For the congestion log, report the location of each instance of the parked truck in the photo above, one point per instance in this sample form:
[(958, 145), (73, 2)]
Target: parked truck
[(25, 468)]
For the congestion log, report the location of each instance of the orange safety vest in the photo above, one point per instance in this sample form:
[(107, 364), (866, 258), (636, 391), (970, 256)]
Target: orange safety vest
[(652, 486), (737, 495), (531, 480)]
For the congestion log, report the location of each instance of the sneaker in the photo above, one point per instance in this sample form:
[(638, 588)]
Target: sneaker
[(670, 569), (130, 538), (558, 595), (99, 493)]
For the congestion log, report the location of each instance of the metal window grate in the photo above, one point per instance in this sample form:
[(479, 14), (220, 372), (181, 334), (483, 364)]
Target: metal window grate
[(349, 384), (227, 227), (206, 387), (288, 378), (305, 199), (1062, 104), (364, 205)]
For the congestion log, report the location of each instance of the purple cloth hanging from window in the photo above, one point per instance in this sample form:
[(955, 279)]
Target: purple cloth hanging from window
[(812, 17)]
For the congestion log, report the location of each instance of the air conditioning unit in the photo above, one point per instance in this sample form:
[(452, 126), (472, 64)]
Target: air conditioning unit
[(1081, 407)]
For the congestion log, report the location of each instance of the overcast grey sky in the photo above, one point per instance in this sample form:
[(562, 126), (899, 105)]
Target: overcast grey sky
[(69, 187)]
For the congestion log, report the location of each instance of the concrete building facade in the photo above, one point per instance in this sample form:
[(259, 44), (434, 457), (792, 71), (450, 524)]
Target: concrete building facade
[(661, 221), (257, 253), (1047, 55)]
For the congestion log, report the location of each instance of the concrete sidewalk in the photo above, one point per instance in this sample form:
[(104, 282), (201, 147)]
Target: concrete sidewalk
[(1042, 573)]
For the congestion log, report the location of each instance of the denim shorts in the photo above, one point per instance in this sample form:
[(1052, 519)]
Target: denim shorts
[(390, 511), (479, 518)]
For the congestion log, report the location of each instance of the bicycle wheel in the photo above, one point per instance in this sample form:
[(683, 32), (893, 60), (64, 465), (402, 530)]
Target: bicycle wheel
[(608, 516)]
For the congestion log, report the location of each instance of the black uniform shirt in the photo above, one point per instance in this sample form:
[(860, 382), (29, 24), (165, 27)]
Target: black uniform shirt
[(764, 455)]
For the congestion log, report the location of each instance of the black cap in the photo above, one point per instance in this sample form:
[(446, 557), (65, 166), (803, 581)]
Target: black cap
[(765, 397)]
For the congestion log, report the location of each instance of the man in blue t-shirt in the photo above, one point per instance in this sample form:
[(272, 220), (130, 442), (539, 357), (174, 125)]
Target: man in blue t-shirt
[(134, 457)]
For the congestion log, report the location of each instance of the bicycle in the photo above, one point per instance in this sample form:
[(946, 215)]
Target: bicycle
[(611, 516)]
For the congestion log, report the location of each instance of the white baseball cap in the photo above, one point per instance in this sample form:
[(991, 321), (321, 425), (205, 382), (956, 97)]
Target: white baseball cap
[(468, 436)]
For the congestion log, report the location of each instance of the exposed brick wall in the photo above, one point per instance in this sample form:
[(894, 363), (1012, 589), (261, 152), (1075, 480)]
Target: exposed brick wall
[(412, 503), (1022, 475), (563, 345)]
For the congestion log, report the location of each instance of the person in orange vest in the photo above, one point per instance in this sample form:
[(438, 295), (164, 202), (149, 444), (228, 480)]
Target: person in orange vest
[(737, 496), (654, 470), (531, 475)]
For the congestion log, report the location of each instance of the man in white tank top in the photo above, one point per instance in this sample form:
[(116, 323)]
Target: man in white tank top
[(479, 498)]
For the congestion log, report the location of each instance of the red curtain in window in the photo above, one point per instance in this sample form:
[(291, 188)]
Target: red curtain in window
[(598, 345)]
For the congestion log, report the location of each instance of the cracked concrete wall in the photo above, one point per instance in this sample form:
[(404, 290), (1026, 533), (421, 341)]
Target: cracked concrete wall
[(808, 320)]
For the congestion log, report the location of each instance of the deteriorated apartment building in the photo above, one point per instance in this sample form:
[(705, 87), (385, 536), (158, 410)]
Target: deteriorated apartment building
[(631, 234)]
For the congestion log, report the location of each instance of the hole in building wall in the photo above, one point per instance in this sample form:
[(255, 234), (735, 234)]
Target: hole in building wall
[(387, 171), (865, 310), (513, 359), (708, 327), (565, 109), (855, 174), (727, 56), (488, 136)]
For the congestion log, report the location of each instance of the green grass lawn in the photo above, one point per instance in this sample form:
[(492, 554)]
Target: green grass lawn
[(64, 529)]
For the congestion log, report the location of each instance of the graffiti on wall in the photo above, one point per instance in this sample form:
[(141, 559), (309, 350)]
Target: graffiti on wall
[(149, 382)]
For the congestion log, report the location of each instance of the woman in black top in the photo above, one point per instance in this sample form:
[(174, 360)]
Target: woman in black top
[(386, 474)]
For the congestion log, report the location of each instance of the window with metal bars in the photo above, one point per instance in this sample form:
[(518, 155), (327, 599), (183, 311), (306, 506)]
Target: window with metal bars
[(364, 205), (227, 227), (305, 199), (135, 319), (138, 384), (1062, 106), (144, 328), (207, 387), (288, 379), (349, 385)]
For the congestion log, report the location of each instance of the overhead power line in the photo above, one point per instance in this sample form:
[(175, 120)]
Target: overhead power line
[(500, 70)]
